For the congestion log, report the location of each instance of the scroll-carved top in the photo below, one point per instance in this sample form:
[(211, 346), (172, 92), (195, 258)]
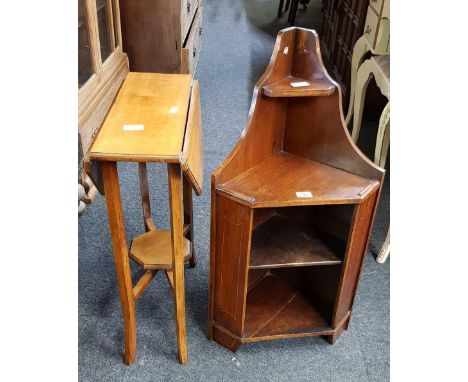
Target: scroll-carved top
[(296, 136)]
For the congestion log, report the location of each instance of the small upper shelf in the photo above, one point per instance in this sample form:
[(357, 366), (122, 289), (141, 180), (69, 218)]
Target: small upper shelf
[(289, 180), (299, 87)]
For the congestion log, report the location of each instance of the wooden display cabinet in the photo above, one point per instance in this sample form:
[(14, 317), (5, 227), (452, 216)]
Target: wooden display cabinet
[(292, 208), (102, 67), (162, 36)]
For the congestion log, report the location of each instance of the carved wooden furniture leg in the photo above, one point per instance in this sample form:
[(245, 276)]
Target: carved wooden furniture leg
[(280, 8), (385, 250), (188, 219), (360, 49), (362, 81), (383, 137), (175, 196), (122, 264), (381, 150)]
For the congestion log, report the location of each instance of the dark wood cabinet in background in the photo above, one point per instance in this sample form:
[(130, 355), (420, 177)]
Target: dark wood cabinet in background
[(162, 36), (343, 23)]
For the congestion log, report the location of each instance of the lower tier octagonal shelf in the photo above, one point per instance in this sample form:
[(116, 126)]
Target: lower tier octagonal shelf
[(153, 250)]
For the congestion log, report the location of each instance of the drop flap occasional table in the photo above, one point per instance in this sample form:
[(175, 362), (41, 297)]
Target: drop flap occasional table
[(154, 118), (291, 208)]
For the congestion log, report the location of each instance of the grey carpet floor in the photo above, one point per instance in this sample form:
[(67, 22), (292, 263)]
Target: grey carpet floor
[(238, 38)]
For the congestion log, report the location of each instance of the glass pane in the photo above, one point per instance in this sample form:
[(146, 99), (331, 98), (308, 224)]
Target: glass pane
[(105, 28), (116, 35), (85, 68)]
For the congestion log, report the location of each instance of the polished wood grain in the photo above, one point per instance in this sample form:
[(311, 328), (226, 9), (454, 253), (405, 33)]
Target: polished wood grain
[(259, 186), (147, 98), (281, 242), (143, 283), (174, 175), (299, 87), (230, 283), (292, 206), (156, 101), (192, 153), (288, 312), (357, 244), (153, 250), (122, 265)]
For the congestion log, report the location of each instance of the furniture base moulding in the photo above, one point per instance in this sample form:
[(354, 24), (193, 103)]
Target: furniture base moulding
[(224, 339)]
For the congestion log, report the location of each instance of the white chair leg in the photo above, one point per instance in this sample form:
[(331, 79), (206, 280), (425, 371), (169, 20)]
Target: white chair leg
[(359, 51), (385, 251), (383, 137), (381, 150), (363, 79)]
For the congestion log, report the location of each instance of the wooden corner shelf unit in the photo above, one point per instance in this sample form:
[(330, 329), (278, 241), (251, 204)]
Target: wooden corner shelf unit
[(291, 209)]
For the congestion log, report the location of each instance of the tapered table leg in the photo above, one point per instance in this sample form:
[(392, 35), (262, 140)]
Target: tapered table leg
[(122, 264), (175, 201)]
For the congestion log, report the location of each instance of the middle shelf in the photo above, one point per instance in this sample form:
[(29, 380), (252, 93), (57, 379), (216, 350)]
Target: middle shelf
[(289, 180), (281, 242)]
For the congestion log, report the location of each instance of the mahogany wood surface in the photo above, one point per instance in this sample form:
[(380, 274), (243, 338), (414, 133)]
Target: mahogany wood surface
[(274, 307), (298, 87), (280, 242), (259, 186), (292, 207), (162, 36)]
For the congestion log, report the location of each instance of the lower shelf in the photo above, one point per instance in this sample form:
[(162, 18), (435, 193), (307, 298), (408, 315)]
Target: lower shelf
[(275, 308), (153, 250)]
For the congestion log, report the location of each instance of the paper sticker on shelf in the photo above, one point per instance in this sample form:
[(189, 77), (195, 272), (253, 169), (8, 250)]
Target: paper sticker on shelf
[(304, 194), (299, 84), (133, 127)]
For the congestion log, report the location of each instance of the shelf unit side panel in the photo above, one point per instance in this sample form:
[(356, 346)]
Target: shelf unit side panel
[(357, 245), (233, 233)]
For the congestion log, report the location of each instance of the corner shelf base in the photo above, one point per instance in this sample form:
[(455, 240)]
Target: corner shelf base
[(276, 308)]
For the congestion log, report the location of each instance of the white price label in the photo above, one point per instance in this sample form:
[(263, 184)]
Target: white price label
[(304, 194), (299, 84), (133, 127)]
